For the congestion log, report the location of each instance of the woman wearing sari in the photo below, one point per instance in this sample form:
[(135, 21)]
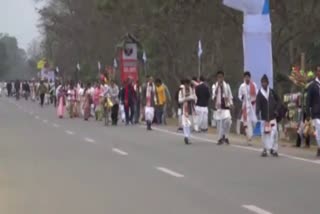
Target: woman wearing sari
[(98, 102), (87, 102), (72, 98), (61, 102)]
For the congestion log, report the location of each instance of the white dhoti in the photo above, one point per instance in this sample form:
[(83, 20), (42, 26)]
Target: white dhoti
[(186, 123), (270, 140), (250, 122), (316, 123), (122, 113), (223, 118), (202, 116), (149, 114), (180, 117)]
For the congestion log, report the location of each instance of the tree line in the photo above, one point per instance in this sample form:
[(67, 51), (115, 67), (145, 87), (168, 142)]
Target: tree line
[(14, 63), (87, 31)]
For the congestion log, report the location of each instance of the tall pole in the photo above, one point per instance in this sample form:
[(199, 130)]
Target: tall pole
[(199, 67), (200, 51), (144, 57), (99, 68)]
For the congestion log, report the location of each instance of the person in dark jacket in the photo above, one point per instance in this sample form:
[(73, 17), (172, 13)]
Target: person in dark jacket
[(129, 100), (26, 89), (267, 107), (9, 89), (203, 97), (17, 89), (313, 106)]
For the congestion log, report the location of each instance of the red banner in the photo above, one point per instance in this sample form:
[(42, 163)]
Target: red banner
[(129, 62)]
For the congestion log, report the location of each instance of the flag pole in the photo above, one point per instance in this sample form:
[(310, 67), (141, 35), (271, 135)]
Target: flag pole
[(200, 51), (199, 67), (144, 57)]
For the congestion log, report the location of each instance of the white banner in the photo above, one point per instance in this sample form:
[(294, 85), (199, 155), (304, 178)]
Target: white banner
[(257, 37), (47, 75)]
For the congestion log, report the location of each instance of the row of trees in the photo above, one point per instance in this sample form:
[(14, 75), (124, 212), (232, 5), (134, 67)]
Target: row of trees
[(13, 60), (87, 31)]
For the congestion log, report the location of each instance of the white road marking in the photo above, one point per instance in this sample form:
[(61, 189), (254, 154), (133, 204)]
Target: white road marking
[(45, 121), (37, 117), (170, 172), (256, 209), (119, 151), (239, 146), (31, 113), (89, 140), (55, 125), (69, 132)]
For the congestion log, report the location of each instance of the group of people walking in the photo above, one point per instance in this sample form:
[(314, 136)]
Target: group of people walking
[(262, 105), (193, 98)]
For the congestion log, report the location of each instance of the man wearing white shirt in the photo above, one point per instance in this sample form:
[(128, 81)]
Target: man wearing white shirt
[(313, 106), (248, 95), (223, 102)]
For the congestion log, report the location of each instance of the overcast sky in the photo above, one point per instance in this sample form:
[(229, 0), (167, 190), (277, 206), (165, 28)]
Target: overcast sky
[(19, 18)]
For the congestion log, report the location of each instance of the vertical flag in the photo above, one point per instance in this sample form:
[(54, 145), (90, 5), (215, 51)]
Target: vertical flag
[(115, 63), (99, 65), (144, 57), (57, 69), (78, 66), (200, 51)]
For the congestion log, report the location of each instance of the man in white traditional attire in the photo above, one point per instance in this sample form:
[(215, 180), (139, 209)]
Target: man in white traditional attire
[(150, 99), (248, 95), (223, 102), (267, 108), (187, 99)]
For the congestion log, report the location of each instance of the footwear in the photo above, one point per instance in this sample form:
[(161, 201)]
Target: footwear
[(318, 153), (264, 153), (274, 153), (220, 142), (186, 141), (226, 141), (204, 130), (180, 129)]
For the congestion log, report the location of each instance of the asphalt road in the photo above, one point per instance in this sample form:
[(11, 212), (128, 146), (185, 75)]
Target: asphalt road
[(50, 165)]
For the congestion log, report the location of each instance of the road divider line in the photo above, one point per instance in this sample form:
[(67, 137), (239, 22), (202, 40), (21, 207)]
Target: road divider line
[(170, 172), (119, 151), (256, 209), (239, 146), (89, 140), (69, 132), (55, 125)]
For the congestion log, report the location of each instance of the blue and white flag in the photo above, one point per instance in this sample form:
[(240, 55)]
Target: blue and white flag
[(200, 51), (115, 63), (144, 57), (78, 66)]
